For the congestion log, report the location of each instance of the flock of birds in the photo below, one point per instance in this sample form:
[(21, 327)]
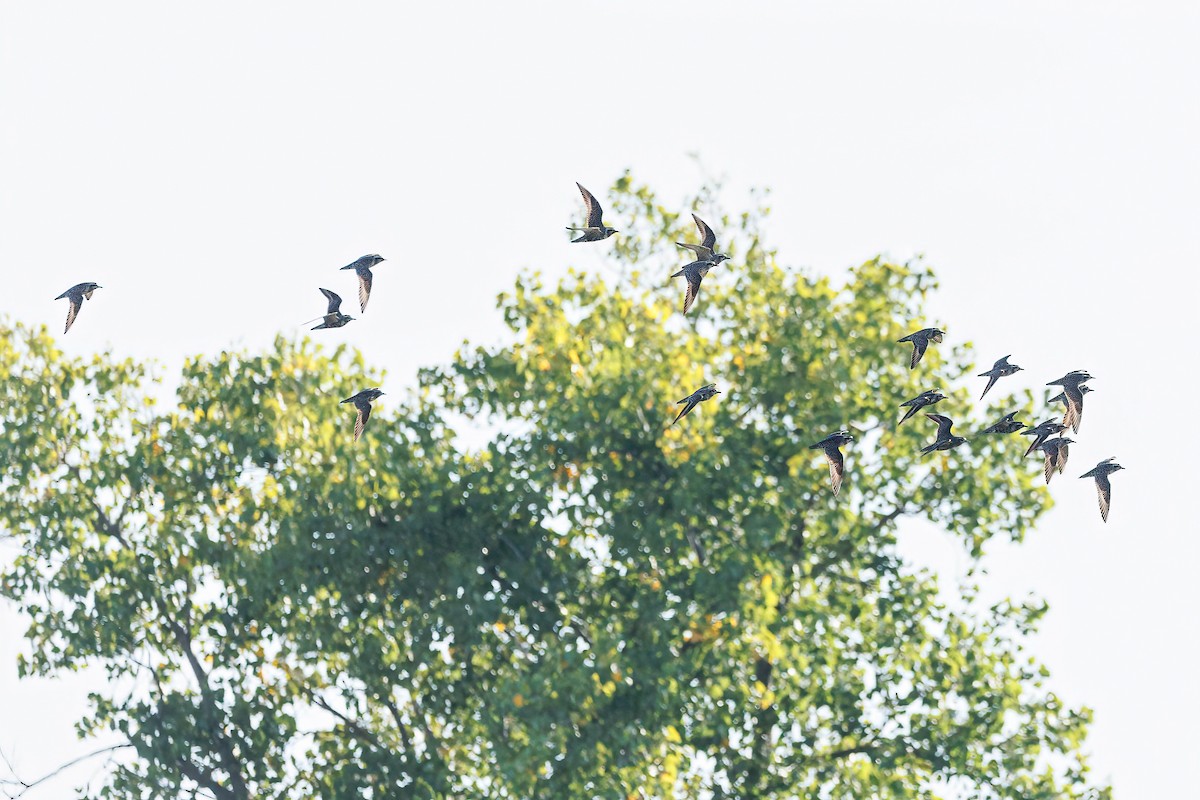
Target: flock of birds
[(1047, 437)]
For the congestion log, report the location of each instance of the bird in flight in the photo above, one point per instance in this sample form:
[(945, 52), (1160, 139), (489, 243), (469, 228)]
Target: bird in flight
[(595, 230), (1055, 451), (1103, 488), (706, 392), (362, 267), (837, 465), (1007, 424), (945, 439), (1061, 397), (920, 342), (1000, 369), (1041, 432), (1072, 384), (75, 296), (920, 401), (362, 402), (706, 250), (333, 318), (693, 273)]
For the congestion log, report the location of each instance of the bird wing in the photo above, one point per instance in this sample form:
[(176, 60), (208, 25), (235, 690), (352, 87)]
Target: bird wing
[(920, 345), (360, 421), (691, 403), (991, 382), (944, 424), (710, 239), (1049, 469), (837, 468), (1037, 442), (595, 214), (693, 289), (912, 410), (1104, 493), (1074, 398), (1060, 463), (75, 303), (335, 302), (364, 287), (702, 253)]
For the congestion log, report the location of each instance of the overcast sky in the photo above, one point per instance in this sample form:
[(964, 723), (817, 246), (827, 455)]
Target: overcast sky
[(212, 165)]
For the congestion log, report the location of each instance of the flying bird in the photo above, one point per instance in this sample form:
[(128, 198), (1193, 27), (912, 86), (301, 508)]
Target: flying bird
[(1041, 432), (1061, 397), (362, 402), (1072, 384), (75, 296), (706, 250), (1055, 451), (595, 230), (333, 318), (694, 273), (837, 465), (920, 401), (920, 342), (1001, 369), (1103, 488), (945, 439), (1007, 424), (362, 267), (706, 392)]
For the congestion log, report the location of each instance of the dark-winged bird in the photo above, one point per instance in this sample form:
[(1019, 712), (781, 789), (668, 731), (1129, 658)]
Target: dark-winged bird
[(595, 230), (1007, 424), (1072, 384), (920, 342), (920, 401), (1041, 432), (333, 318), (362, 402), (706, 392), (694, 273), (1103, 488), (1055, 451), (945, 439), (362, 266), (837, 465), (706, 250), (1001, 369), (76, 295)]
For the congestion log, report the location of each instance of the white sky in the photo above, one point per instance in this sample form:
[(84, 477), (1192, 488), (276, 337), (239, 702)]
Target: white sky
[(211, 168)]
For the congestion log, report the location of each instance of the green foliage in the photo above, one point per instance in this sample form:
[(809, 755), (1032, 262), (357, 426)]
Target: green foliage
[(285, 613)]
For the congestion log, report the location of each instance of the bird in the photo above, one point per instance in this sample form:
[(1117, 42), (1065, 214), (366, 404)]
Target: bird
[(705, 251), (920, 342), (333, 318), (694, 273), (1061, 397), (945, 440), (920, 401), (1103, 488), (1055, 451), (706, 392), (595, 230), (837, 465), (362, 402), (1072, 384), (362, 267), (1007, 424), (1041, 432), (1000, 369), (76, 295)]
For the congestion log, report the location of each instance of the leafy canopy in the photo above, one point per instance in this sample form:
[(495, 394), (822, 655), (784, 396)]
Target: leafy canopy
[(593, 603)]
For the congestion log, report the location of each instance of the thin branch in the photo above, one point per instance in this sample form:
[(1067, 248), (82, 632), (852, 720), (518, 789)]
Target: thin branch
[(27, 785)]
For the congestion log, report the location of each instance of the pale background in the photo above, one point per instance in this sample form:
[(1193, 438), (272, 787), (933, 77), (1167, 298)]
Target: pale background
[(211, 165)]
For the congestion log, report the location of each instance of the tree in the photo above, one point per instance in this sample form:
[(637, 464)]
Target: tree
[(595, 603)]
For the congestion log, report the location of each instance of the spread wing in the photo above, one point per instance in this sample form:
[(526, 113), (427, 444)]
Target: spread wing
[(920, 344), (335, 302), (991, 382), (1049, 469), (1074, 415), (595, 214), (364, 287), (709, 238), (76, 302), (944, 424), (1104, 493), (701, 252), (837, 467), (693, 289), (912, 410), (691, 403), (360, 422)]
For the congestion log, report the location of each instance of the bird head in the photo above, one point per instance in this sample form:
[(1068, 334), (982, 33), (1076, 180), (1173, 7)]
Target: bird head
[(718, 258)]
